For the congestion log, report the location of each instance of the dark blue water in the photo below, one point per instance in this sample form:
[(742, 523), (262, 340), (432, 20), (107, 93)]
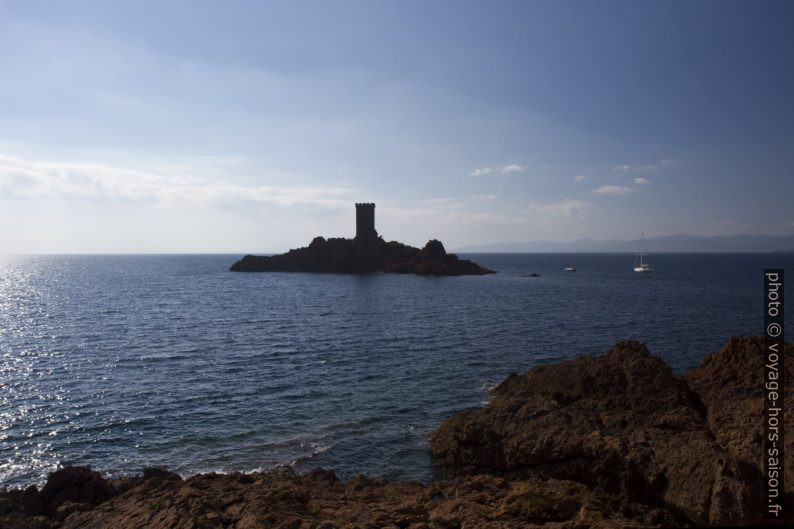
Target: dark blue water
[(122, 362)]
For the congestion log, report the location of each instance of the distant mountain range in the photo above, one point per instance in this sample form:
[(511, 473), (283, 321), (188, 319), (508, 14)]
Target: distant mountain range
[(670, 243)]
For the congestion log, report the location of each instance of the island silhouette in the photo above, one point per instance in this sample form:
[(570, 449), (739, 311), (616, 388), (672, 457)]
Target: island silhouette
[(367, 252)]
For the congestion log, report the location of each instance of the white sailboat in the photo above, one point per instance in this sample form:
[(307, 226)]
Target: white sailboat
[(643, 266)]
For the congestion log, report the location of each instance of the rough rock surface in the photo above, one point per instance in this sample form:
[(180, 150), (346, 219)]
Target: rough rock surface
[(317, 500), (624, 424), (352, 256), (729, 384)]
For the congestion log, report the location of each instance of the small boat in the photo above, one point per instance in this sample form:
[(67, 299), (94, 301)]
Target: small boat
[(570, 269), (642, 266)]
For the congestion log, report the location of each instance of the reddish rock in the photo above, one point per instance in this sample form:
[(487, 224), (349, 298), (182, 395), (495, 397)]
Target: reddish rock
[(30, 501), (318, 500), (77, 485), (624, 424), (729, 384), (159, 474)]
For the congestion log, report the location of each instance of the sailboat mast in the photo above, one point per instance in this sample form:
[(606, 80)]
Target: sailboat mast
[(643, 266), (642, 243)]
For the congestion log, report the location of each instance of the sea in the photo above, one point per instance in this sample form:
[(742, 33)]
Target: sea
[(127, 361)]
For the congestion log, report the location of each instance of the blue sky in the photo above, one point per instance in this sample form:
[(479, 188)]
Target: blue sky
[(254, 126)]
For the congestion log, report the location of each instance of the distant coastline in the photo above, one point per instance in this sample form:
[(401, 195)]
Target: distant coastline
[(680, 243)]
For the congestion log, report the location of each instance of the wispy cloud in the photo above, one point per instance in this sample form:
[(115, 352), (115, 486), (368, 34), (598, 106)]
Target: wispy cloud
[(499, 169), (726, 227), (613, 190), (443, 202), (481, 171), (451, 217), (512, 168), (782, 228), (553, 213), (580, 178), (567, 208), (35, 180), (729, 224), (641, 180), (484, 197), (648, 167)]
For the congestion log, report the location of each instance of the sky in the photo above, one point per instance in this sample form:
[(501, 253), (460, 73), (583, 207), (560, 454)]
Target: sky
[(233, 126)]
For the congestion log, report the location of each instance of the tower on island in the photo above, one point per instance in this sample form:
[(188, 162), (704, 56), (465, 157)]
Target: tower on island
[(365, 221)]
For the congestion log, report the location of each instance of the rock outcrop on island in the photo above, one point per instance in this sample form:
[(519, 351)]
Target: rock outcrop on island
[(625, 425), (366, 253), (613, 441), (351, 256)]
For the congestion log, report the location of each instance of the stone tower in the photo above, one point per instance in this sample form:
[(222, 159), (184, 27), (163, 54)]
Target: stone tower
[(365, 221)]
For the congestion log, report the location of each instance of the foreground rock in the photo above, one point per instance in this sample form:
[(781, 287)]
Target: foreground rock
[(625, 425), (281, 499), (351, 256)]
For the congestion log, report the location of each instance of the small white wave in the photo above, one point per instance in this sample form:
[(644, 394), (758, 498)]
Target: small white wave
[(320, 447), (488, 386), (317, 446)]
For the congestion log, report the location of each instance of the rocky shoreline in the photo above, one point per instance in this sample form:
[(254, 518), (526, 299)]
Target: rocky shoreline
[(612, 441)]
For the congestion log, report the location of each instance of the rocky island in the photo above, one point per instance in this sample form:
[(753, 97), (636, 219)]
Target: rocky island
[(611, 441), (366, 253)]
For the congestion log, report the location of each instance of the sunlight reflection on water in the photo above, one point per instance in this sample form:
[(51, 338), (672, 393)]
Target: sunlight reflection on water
[(123, 362)]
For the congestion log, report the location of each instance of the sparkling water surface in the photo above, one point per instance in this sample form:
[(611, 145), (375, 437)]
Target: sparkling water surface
[(122, 362)]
